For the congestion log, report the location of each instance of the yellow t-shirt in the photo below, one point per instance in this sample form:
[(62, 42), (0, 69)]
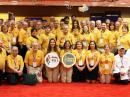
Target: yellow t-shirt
[(31, 57), (93, 57), (124, 40), (62, 38), (3, 57), (106, 63), (80, 56), (23, 35), (44, 40), (14, 63), (30, 41), (104, 38)]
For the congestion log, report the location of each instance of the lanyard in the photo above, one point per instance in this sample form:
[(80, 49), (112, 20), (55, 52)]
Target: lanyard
[(34, 57)]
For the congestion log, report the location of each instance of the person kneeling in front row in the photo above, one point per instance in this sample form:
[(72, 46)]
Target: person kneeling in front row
[(121, 67)]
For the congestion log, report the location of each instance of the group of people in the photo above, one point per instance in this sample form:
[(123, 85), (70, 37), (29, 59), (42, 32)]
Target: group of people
[(101, 49)]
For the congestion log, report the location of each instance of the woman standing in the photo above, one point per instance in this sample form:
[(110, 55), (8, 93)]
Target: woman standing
[(79, 69), (66, 73), (106, 65), (52, 73), (92, 61)]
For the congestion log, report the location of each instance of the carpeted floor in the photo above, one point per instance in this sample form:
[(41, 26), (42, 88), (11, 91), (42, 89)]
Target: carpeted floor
[(65, 90)]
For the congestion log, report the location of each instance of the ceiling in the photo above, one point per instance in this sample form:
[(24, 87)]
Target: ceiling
[(93, 3)]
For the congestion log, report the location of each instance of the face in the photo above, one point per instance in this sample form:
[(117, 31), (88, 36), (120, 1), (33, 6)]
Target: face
[(121, 52), (92, 45), (65, 30), (117, 24), (5, 29), (35, 46), (104, 26), (52, 43), (107, 49), (67, 45), (124, 30), (92, 24), (47, 30), (79, 45), (14, 51), (111, 27), (39, 25), (34, 33)]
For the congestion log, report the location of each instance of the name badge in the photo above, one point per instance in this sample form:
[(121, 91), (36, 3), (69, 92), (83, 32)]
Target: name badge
[(80, 63), (101, 40), (14, 39), (34, 64), (91, 62), (107, 66)]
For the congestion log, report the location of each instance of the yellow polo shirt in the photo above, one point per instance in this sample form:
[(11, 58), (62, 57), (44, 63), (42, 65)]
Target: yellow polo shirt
[(3, 57), (104, 38), (14, 63), (39, 58), (106, 63), (124, 40), (93, 56), (80, 56)]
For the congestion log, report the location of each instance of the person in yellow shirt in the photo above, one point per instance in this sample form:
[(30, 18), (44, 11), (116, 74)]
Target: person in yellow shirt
[(106, 65), (24, 33), (94, 32), (85, 36), (114, 38), (52, 73), (13, 31), (79, 69), (92, 61), (124, 39), (104, 38), (15, 66), (39, 28), (3, 57), (65, 35), (75, 26), (76, 37), (66, 73), (34, 60), (44, 38), (33, 38)]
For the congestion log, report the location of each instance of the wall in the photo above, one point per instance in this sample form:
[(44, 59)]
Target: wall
[(41, 11)]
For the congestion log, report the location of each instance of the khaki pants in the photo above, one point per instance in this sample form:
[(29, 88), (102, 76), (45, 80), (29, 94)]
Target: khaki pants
[(105, 78), (53, 74), (66, 74)]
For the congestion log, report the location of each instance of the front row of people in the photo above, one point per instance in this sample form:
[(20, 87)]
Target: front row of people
[(90, 64)]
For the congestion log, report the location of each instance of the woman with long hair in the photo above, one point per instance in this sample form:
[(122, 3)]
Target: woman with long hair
[(52, 73), (92, 61), (79, 69)]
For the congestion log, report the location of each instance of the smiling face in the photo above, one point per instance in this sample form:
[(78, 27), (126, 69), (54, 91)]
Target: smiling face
[(52, 43), (79, 45), (92, 45)]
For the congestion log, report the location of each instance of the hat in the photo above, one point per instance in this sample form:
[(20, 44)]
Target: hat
[(121, 47)]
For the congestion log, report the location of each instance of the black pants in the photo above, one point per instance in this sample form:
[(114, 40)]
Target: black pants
[(1, 72), (79, 76), (118, 79), (13, 78)]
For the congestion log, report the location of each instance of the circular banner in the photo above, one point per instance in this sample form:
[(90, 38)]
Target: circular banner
[(68, 60), (52, 60)]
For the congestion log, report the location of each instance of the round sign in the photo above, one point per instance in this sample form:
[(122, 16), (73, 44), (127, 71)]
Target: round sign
[(52, 60), (68, 60)]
